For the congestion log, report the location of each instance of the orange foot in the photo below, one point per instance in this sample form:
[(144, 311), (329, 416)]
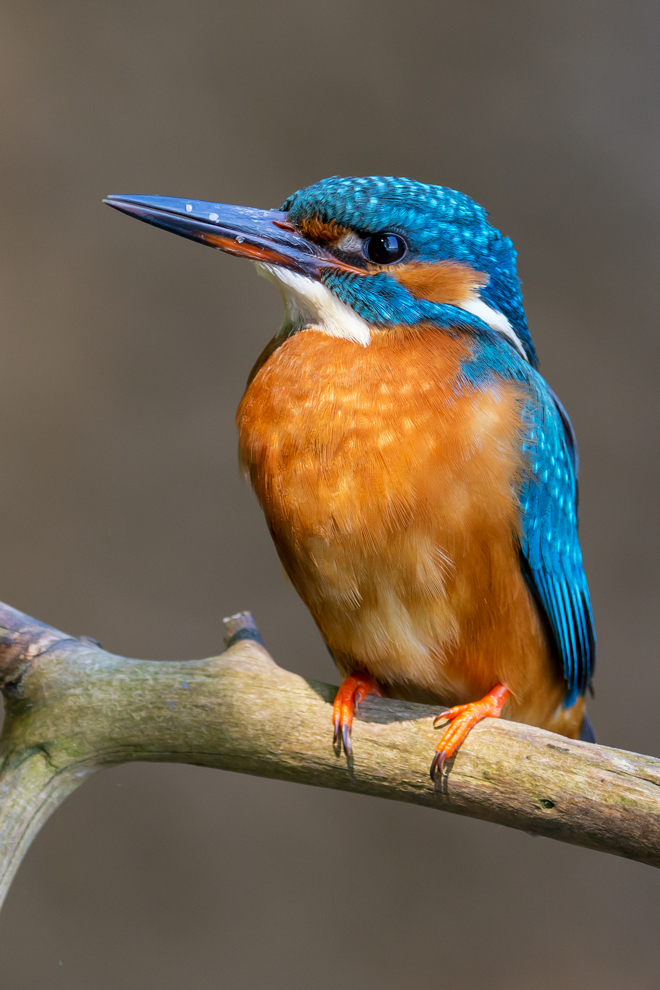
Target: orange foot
[(463, 718), (352, 691)]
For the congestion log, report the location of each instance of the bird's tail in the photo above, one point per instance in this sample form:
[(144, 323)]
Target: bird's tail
[(587, 733)]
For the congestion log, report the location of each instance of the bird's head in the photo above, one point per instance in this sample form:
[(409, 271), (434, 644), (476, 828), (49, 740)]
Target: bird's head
[(354, 255)]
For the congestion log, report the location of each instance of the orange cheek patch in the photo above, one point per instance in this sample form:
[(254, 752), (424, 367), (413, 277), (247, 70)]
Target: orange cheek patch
[(446, 282)]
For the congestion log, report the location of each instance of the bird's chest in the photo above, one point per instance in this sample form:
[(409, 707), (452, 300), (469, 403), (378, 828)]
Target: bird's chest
[(380, 479)]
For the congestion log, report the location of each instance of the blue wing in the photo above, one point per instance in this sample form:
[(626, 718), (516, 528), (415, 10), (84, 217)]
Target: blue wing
[(551, 556)]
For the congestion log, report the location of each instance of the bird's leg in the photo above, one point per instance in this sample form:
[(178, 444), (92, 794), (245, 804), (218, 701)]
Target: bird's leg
[(352, 691), (463, 718)]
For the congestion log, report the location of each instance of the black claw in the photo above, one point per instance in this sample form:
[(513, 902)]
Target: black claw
[(438, 762), (335, 734), (346, 738)]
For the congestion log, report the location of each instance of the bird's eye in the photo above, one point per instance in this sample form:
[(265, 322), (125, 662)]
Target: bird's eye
[(385, 249)]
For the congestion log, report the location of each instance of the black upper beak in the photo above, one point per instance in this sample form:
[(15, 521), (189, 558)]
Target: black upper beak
[(262, 235)]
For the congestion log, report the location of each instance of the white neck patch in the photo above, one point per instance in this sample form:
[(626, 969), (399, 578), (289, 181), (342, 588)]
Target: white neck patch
[(494, 319), (309, 305)]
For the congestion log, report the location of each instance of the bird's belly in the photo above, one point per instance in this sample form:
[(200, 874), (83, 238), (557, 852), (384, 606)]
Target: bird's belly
[(390, 495)]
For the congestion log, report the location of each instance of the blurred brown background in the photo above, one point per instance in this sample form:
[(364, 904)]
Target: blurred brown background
[(124, 354)]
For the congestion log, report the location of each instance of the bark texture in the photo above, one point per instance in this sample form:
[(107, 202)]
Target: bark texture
[(72, 709)]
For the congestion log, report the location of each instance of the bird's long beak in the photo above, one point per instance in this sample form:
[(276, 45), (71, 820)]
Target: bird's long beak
[(262, 235)]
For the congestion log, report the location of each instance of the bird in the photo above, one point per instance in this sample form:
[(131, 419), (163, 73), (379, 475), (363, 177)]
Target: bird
[(417, 473)]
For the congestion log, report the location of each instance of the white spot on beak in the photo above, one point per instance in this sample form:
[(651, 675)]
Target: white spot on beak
[(309, 305), (188, 208), (213, 216)]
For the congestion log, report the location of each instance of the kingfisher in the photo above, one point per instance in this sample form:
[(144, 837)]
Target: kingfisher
[(417, 473)]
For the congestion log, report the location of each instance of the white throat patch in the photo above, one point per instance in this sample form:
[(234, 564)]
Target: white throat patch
[(308, 304)]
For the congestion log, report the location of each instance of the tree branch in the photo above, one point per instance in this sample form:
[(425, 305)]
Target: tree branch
[(72, 709)]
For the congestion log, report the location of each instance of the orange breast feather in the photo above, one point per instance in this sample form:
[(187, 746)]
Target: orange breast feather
[(390, 495)]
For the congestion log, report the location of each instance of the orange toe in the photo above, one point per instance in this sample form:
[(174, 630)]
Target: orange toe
[(463, 718), (352, 691)]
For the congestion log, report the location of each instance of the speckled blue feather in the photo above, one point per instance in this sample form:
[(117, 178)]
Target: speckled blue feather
[(439, 224), (551, 558), (550, 545)]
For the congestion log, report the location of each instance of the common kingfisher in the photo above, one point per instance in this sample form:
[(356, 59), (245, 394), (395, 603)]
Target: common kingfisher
[(418, 475)]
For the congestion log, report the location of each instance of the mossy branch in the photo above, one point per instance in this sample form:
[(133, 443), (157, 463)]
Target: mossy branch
[(72, 709)]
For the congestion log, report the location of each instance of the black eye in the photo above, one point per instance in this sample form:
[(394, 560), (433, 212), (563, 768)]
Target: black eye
[(385, 249)]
